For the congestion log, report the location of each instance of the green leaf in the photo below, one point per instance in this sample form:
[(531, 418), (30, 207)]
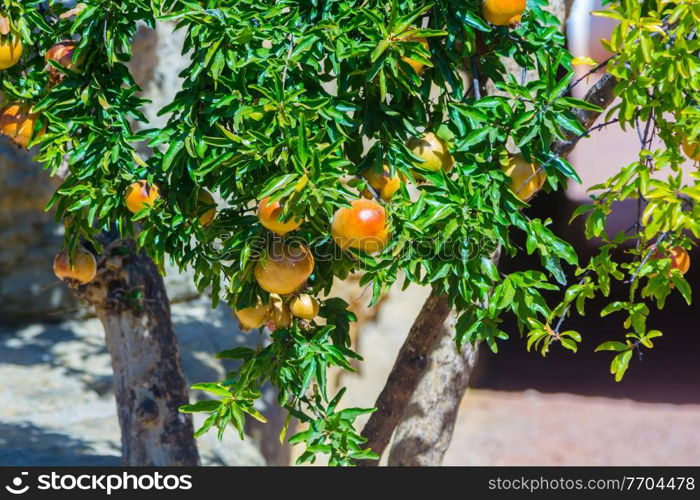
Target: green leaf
[(212, 388), (682, 285), (612, 345), (206, 406), (277, 183)]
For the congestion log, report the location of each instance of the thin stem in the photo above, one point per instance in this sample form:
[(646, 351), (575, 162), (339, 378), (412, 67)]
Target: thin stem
[(566, 310), (475, 79), (287, 61), (589, 73)]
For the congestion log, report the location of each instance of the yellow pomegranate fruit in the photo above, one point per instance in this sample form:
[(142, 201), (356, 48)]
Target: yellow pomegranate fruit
[(362, 226), (691, 149), (304, 306), (432, 151), (254, 316), (269, 214), (382, 182), (204, 198), (284, 267), (503, 12), (280, 316), (82, 270), (416, 65), (19, 124), (10, 44), (526, 179), (140, 195)]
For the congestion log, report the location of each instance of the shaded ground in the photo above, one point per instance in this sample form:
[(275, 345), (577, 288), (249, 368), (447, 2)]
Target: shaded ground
[(56, 389)]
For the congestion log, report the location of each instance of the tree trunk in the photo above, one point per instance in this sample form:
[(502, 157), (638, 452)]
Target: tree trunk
[(403, 379), (426, 429), (130, 299)]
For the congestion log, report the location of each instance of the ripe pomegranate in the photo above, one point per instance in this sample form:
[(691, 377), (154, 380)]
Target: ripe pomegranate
[(304, 306), (679, 258), (362, 226), (204, 198), (140, 195), (280, 316), (254, 316), (10, 44), (64, 54), (416, 65), (432, 151), (82, 270), (526, 179), (503, 12), (269, 214), (691, 148), (19, 123), (382, 182), (284, 267)]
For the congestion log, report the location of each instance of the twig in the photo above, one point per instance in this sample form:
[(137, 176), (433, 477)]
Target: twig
[(475, 79), (566, 310), (287, 61), (646, 258)]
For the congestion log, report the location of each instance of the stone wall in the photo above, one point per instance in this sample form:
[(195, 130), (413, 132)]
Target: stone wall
[(29, 239)]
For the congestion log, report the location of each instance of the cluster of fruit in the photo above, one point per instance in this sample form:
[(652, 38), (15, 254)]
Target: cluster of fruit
[(284, 268), (138, 196), (17, 119)]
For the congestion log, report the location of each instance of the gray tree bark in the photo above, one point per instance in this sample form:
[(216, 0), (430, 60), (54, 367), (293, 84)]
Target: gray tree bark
[(425, 431), (130, 300), (405, 375)]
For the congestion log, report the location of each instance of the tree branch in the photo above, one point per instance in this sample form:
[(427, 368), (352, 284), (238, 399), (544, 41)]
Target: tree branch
[(425, 431), (602, 95), (403, 379)]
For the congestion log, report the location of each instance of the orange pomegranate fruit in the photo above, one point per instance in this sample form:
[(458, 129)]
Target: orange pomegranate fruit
[(284, 267), (280, 315), (680, 259), (253, 316), (270, 212), (204, 199), (78, 272), (19, 123), (503, 12), (691, 148), (140, 195), (63, 53), (363, 226)]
